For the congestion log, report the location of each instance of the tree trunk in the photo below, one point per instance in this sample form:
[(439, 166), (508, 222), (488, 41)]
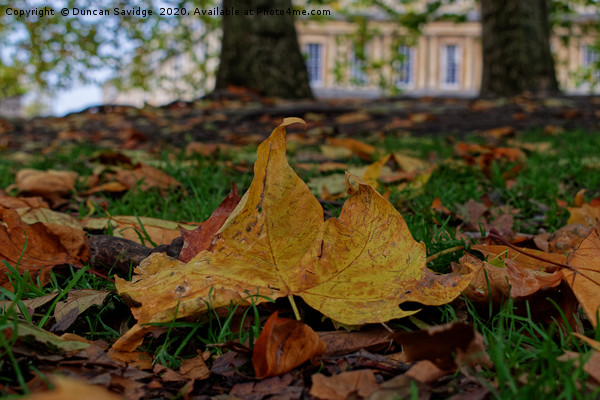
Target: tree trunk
[(516, 48), (261, 52)]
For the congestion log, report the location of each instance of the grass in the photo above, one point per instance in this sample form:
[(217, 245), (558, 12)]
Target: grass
[(525, 352)]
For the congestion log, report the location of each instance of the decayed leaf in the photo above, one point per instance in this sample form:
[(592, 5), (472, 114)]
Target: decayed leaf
[(359, 383), (200, 238), (584, 275), (355, 269), (42, 246), (46, 183), (283, 345)]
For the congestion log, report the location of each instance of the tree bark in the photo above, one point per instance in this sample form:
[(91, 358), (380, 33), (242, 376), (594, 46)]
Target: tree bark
[(516, 48), (261, 52)]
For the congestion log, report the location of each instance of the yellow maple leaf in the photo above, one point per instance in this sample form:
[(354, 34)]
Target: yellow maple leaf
[(355, 269)]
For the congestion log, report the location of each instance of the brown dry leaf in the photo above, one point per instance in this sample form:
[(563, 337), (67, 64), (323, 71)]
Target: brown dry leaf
[(352, 117), (355, 269), (139, 229), (585, 215), (284, 344), (410, 164), (487, 276), (79, 300), (41, 246), (584, 275), (425, 371), (22, 202), (147, 177), (525, 282), (344, 342), (361, 149), (137, 359), (504, 252), (48, 184), (195, 368), (500, 132), (563, 240), (200, 238), (342, 386), (72, 389), (441, 343), (335, 152)]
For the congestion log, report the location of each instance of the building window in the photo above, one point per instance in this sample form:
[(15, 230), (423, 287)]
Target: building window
[(404, 77), (358, 63), (451, 66), (590, 60), (314, 63)]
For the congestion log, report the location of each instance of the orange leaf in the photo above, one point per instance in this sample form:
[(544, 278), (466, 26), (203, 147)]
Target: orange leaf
[(363, 150), (42, 244), (283, 345), (200, 238), (584, 277)]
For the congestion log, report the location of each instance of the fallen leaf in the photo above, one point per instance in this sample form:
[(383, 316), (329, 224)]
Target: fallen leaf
[(344, 342), (79, 300), (440, 344), (200, 238), (143, 230), (503, 253), (355, 269), (410, 164), (352, 117), (525, 282), (425, 371), (584, 275), (37, 247), (282, 345), (146, 177), (342, 386), (46, 183), (23, 202), (40, 339), (195, 368), (66, 388), (562, 240), (374, 170), (361, 149)]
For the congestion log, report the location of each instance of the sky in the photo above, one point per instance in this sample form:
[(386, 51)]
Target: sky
[(76, 99)]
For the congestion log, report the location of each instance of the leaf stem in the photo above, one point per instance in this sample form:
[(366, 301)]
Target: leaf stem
[(293, 303)]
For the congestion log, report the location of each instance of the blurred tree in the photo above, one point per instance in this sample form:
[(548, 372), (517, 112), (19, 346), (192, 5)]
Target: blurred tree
[(261, 52), (516, 48)]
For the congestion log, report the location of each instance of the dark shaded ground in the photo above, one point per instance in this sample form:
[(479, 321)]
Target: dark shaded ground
[(239, 116)]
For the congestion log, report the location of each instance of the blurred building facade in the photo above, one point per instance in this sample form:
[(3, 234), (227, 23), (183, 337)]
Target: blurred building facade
[(444, 59)]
